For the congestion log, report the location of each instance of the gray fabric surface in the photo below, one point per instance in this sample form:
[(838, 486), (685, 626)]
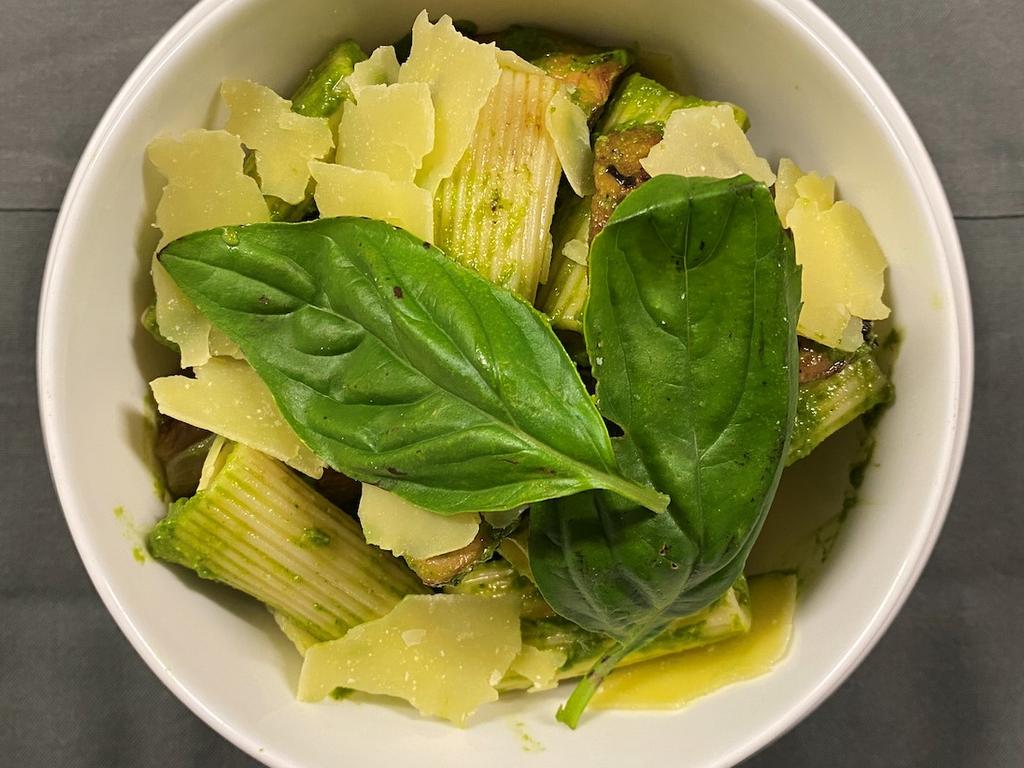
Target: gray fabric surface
[(945, 687)]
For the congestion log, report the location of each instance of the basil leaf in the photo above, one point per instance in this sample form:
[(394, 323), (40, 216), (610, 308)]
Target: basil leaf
[(691, 331), (400, 368)]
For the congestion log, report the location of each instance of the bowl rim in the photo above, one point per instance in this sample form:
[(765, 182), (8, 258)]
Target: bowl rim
[(818, 28)]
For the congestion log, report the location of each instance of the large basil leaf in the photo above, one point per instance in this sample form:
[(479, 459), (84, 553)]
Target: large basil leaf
[(691, 331), (400, 368)]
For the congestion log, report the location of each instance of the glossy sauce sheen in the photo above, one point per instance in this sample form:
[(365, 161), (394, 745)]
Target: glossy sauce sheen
[(674, 681)]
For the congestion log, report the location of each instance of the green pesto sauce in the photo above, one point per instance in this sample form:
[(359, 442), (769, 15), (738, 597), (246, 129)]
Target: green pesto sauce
[(892, 341), (743, 596), (340, 693), (150, 414), (131, 533), (860, 466), (160, 488), (889, 347), (526, 741), (828, 534), (204, 571), (315, 537), (685, 634)]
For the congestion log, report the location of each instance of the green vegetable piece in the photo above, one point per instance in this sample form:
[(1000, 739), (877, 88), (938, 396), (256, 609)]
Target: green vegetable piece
[(399, 367), (250, 530), (450, 567), (642, 101), (565, 295), (181, 451), (691, 331), (324, 91), (618, 169), (322, 94), (828, 404), (152, 327)]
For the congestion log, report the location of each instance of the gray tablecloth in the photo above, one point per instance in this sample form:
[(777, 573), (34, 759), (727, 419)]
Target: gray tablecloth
[(944, 688)]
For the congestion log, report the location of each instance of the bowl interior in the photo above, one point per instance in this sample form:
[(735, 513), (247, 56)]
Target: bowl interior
[(810, 96)]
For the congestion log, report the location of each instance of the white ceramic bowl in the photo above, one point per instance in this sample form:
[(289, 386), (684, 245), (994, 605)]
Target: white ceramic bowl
[(810, 93)]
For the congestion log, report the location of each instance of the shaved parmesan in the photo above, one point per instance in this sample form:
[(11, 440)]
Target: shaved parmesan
[(380, 69), (442, 653), (284, 141), (539, 666), (343, 191), (222, 346), (205, 184), (179, 319), (228, 397), (205, 188), (843, 267), (792, 183), (390, 129), (706, 141), (501, 521), (569, 130), (820, 191), (392, 523), (214, 461), (577, 251), (461, 74), (843, 272), (515, 62), (785, 187)]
